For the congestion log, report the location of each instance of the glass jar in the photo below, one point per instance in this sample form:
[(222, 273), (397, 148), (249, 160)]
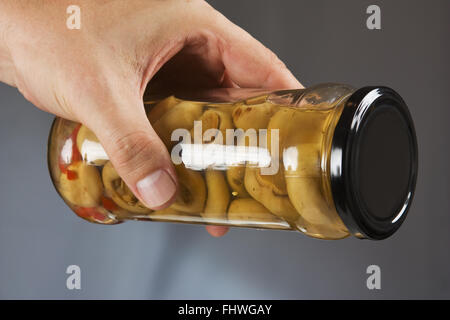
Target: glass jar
[(328, 161)]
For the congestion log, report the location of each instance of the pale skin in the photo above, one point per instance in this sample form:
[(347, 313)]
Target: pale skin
[(97, 75)]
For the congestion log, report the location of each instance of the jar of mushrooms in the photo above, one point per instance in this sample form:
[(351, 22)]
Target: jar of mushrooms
[(328, 161)]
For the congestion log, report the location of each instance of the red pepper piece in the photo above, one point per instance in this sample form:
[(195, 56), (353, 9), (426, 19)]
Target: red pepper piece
[(109, 204), (62, 165), (92, 213), (72, 175), (76, 155)]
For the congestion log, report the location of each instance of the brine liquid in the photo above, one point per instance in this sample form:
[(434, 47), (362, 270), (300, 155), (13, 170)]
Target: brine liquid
[(251, 163)]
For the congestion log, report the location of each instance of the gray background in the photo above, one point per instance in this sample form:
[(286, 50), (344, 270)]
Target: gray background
[(320, 41)]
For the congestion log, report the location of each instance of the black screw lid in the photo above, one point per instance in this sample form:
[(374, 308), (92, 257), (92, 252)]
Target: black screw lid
[(373, 164)]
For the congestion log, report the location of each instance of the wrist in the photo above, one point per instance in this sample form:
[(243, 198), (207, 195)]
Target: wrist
[(20, 27), (6, 61)]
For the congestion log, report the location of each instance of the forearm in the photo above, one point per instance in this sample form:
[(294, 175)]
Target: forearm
[(34, 28)]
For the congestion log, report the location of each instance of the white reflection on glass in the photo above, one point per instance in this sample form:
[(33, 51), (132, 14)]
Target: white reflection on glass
[(364, 105), (290, 158), (66, 151), (219, 157), (403, 210), (92, 151)]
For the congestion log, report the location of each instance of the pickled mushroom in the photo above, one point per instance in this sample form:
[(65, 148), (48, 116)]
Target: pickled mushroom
[(119, 192), (218, 195), (191, 191), (304, 186), (249, 210), (216, 120), (161, 107), (235, 177), (180, 116), (295, 127), (253, 116), (270, 191), (81, 185)]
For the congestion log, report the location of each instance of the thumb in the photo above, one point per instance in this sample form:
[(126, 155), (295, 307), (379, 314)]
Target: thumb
[(136, 152)]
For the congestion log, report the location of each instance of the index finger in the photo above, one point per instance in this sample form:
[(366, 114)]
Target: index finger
[(248, 63)]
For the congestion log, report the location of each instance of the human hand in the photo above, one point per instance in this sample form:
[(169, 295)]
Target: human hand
[(97, 75)]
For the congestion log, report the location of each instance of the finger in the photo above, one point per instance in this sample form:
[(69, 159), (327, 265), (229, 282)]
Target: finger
[(217, 231), (135, 150), (249, 63), (227, 82)]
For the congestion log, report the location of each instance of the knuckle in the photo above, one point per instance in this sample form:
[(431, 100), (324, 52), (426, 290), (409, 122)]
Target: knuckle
[(203, 11), (275, 62), (276, 65), (132, 152)]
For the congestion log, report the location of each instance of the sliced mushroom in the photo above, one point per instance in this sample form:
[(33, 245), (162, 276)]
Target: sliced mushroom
[(254, 116), (304, 187), (222, 107), (256, 100), (213, 122), (218, 195), (119, 192), (296, 127), (191, 191), (81, 185), (180, 116), (235, 178), (161, 107), (270, 191), (301, 135), (274, 182), (248, 210)]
